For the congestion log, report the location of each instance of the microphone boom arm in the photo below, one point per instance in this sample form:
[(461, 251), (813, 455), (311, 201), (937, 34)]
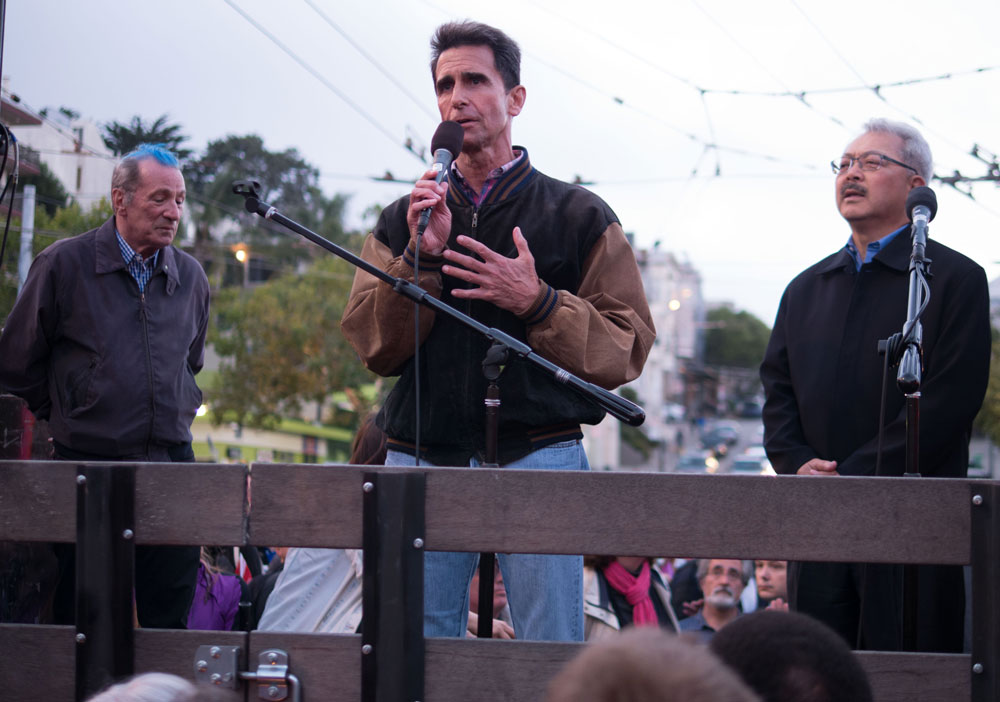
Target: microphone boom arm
[(615, 405)]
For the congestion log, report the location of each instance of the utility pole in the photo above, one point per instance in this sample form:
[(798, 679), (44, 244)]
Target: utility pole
[(27, 234)]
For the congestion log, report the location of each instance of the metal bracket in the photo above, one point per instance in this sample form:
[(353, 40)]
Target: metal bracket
[(219, 665), (392, 635), (985, 499), (105, 562)]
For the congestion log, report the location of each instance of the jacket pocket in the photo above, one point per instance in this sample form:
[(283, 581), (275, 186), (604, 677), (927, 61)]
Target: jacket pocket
[(78, 390)]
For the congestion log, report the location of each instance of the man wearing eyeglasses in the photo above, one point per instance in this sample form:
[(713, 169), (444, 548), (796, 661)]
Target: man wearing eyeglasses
[(822, 378)]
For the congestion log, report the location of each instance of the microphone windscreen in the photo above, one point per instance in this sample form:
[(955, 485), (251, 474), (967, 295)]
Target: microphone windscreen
[(921, 196), (449, 135)]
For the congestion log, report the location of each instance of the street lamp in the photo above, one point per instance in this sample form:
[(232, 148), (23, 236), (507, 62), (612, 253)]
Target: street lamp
[(242, 254)]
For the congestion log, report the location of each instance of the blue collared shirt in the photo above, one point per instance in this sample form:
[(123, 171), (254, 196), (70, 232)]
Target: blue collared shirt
[(141, 269), (872, 249), (696, 625)]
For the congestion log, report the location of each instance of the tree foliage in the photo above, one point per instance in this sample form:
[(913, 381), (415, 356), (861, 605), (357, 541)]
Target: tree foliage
[(49, 190), (988, 419), (123, 138), (281, 346), (64, 222), (635, 437), (735, 339), (288, 182), (71, 220)]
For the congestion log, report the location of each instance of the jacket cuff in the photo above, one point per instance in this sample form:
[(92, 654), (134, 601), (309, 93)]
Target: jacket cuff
[(543, 306), (428, 263)]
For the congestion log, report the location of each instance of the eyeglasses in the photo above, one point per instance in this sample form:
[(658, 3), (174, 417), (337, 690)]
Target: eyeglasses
[(731, 573), (869, 161)]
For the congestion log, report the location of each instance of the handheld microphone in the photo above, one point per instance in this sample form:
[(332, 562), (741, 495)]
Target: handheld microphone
[(921, 206), (446, 145)]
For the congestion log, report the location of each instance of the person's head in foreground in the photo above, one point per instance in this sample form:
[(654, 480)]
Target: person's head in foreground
[(647, 665), (791, 657), (157, 687)]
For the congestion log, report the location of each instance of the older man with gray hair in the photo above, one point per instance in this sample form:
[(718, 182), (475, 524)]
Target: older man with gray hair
[(722, 580), (104, 342), (822, 377)]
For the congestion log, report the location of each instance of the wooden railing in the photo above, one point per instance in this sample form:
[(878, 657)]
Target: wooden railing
[(796, 518)]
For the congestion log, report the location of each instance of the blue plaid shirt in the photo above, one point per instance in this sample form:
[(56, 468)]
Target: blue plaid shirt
[(141, 270), (872, 248)]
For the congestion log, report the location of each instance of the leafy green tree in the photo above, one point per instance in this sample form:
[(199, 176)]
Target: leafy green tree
[(288, 182), (69, 221), (988, 419), (123, 138), (635, 437), (735, 339), (49, 190), (281, 346), (66, 221)]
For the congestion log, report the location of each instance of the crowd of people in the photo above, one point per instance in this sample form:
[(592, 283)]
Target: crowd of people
[(638, 650)]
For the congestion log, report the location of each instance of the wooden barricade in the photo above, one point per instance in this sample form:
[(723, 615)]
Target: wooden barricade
[(795, 518)]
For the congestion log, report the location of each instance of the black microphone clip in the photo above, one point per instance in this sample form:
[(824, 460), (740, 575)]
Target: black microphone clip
[(250, 190)]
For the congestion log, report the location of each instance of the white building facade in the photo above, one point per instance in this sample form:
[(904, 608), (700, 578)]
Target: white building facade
[(74, 151), (673, 290)]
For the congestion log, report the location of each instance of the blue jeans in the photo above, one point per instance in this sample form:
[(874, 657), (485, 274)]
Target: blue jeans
[(545, 593)]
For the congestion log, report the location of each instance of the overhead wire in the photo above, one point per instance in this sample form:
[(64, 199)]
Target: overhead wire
[(321, 78), (371, 59), (710, 143), (854, 88), (623, 49), (798, 96), (875, 89)]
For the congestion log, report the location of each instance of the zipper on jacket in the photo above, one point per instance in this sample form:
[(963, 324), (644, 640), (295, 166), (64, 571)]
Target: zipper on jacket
[(466, 388), (149, 369)]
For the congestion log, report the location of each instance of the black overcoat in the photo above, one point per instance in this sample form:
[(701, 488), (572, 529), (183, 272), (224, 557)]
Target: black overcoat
[(822, 377)]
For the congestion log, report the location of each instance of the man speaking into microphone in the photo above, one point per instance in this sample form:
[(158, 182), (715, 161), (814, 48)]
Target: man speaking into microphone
[(822, 376), (544, 261)]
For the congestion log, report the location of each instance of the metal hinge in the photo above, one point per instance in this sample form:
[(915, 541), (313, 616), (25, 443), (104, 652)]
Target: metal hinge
[(219, 665)]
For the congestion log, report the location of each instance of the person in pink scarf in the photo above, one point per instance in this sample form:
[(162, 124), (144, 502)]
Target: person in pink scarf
[(622, 591)]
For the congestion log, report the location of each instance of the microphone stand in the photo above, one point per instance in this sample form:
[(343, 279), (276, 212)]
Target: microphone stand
[(908, 380), (613, 404), (503, 345), (496, 357)]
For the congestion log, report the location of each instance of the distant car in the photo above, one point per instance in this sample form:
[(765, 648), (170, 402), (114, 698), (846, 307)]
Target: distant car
[(697, 463), (673, 412), (750, 465), (976, 467), (717, 434)]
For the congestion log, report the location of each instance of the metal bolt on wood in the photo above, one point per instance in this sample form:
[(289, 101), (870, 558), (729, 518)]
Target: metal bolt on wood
[(81, 479), (977, 500), (81, 638), (366, 649), (128, 534), (368, 487), (977, 668), (418, 543)]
